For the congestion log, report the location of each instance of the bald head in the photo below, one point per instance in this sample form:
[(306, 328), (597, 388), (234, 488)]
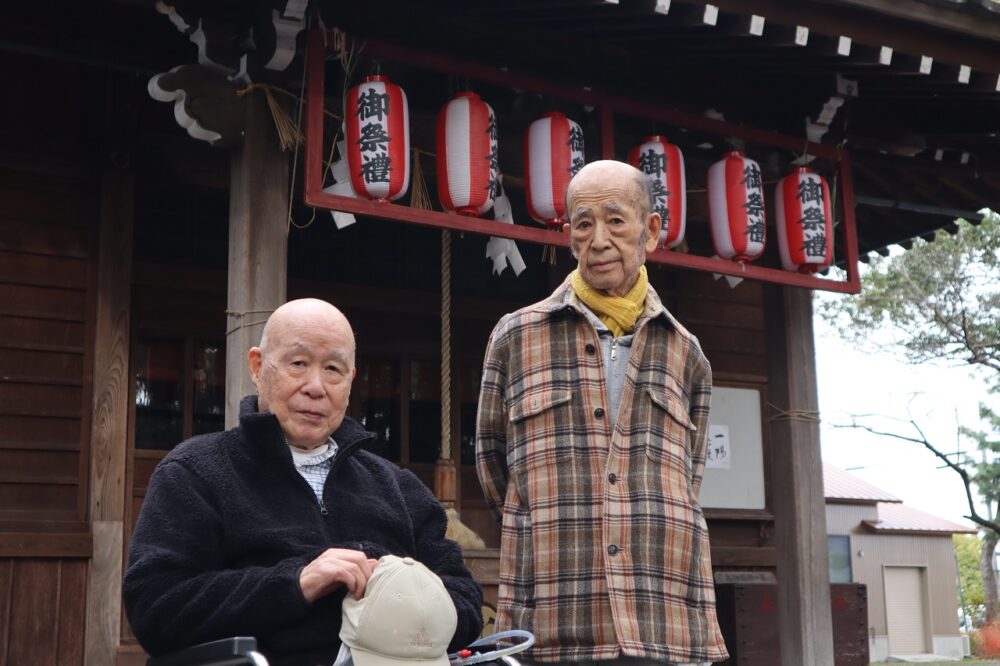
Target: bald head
[(604, 174), (308, 313)]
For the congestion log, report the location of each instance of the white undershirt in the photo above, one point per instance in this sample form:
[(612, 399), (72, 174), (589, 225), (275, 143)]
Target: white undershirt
[(314, 465)]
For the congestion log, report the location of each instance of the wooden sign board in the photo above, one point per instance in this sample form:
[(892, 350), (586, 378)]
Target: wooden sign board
[(734, 469)]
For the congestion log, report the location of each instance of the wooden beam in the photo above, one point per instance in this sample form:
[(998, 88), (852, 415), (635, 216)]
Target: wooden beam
[(985, 81), (947, 73), (912, 64), (805, 627), (787, 35), (50, 544), (109, 424), (924, 209), (929, 14), (864, 54), (258, 245), (744, 556), (853, 18), (743, 25), (834, 45), (108, 433), (581, 95), (696, 14)]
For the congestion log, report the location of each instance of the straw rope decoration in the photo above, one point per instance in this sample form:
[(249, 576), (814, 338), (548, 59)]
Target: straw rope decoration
[(801, 415), (241, 327), (419, 196)]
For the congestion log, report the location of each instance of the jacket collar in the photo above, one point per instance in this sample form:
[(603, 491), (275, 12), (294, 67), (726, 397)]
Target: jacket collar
[(564, 298), (264, 432)]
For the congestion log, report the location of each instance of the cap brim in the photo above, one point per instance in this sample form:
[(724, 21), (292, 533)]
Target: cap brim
[(365, 658)]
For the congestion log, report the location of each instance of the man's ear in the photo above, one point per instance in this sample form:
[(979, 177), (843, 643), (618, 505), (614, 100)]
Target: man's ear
[(565, 229), (653, 227), (254, 360)]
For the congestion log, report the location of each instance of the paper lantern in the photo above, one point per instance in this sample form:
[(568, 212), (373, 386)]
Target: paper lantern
[(804, 221), (553, 150), (663, 162), (467, 159), (736, 207), (378, 139)]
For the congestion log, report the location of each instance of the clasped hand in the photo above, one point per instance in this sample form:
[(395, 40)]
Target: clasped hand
[(332, 569)]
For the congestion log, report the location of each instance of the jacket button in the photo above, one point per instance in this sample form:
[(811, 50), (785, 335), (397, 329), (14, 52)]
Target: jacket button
[(612, 478), (590, 348), (599, 412), (612, 549)]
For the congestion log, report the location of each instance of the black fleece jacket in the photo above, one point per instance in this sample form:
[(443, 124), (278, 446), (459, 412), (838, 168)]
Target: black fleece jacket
[(228, 523)]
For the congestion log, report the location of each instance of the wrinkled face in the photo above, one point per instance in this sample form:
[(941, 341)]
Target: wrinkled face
[(607, 234), (304, 376)]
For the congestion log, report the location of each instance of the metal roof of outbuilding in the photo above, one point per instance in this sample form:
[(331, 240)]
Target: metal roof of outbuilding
[(839, 487), (902, 519)]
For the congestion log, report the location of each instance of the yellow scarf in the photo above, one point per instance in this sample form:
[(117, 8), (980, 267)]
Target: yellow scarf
[(619, 313)]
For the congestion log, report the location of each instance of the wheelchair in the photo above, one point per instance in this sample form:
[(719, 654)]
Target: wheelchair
[(242, 651)]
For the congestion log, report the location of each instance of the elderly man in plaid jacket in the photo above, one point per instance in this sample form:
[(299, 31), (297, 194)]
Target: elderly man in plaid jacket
[(591, 439)]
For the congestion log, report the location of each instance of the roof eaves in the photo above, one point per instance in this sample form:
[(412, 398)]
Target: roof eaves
[(873, 526)]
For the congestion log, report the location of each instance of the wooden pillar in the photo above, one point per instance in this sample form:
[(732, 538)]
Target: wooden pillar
[(258, 245), (806, 631), (109, 423)]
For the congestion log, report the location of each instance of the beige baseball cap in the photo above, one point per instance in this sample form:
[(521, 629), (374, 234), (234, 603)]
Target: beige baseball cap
[(406, 617)]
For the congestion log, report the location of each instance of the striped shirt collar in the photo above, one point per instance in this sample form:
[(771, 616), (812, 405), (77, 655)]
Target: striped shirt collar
[(317, 456)]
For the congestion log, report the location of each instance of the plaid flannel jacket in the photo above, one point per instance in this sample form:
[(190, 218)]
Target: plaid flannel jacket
[(604, 550)]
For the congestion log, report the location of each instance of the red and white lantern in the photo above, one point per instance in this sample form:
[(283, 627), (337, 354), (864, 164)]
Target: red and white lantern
[(467, 158), (736, 207), (805, 223), (378, 139), (663, 162), (553, 149)]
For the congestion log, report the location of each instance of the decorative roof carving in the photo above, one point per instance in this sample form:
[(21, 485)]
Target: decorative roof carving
[(206, 103)]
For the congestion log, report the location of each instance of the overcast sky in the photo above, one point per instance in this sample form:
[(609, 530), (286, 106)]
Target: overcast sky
[(865, 381)]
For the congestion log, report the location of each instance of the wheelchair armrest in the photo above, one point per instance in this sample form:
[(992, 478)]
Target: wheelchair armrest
[(236, 651)]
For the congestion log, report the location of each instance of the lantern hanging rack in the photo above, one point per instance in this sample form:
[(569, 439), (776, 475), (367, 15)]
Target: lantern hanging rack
[(608, 106)]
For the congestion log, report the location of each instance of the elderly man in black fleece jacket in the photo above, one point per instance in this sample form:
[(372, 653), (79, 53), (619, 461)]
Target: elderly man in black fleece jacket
[(263, 529)]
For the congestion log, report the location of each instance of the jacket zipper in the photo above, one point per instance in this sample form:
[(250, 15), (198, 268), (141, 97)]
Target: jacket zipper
[(333, 467), (614, 347)]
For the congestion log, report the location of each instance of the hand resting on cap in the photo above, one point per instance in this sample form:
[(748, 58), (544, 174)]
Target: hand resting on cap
[(333, 568)]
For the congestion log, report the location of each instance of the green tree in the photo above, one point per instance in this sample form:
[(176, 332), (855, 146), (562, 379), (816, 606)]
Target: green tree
[(940, 301), (970, 578)]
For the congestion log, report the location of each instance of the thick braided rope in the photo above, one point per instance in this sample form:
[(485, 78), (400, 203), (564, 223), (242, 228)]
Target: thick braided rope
[(445, 344)]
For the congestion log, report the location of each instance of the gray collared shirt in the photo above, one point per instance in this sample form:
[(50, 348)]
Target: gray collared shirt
[(615, 352)]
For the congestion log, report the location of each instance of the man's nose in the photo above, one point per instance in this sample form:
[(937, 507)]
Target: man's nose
[(601, 235), (313, 384)]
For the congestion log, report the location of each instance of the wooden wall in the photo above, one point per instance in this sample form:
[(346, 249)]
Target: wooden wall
[(47, 264), (729, 324)]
